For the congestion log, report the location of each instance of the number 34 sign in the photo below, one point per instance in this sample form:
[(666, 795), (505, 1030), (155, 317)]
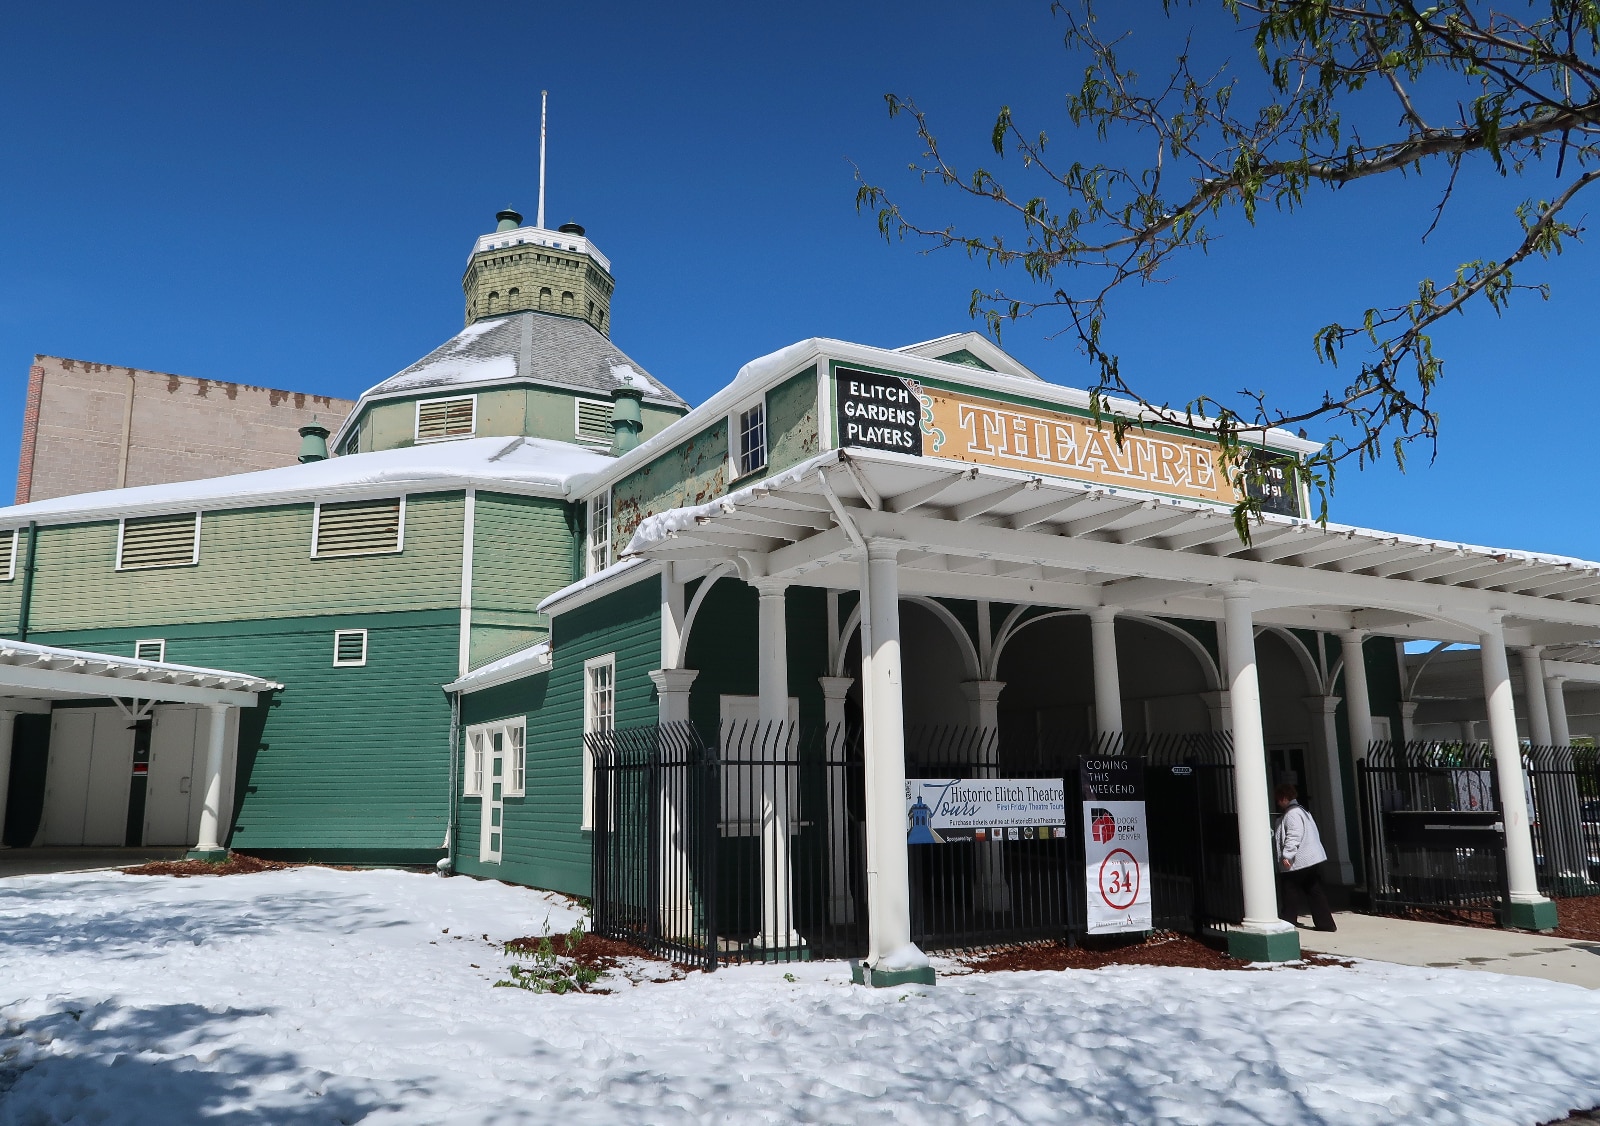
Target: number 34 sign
[(1116, 846)]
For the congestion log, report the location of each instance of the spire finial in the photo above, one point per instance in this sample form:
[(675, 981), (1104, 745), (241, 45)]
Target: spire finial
[(544, 111)]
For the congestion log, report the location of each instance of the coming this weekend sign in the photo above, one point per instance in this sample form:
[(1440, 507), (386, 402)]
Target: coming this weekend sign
[(893, 413)]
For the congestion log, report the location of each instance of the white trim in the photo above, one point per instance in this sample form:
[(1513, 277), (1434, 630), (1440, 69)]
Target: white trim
[(585, 591), (591, 544), (16, 545), (509, 788), (416, 423), (532, 661), (606, 661), (736, 470), (316, 529), (338, 634), (577, 421), (161, 649), (473, 765), (122, 526), (468, 527)]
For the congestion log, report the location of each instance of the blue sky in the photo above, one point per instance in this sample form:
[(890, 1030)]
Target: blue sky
[(285, 195)]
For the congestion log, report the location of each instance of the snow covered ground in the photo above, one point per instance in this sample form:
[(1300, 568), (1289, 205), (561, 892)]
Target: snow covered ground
[(316, 996)]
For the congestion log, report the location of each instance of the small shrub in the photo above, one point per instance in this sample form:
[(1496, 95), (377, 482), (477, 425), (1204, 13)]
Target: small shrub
[(549, 971)]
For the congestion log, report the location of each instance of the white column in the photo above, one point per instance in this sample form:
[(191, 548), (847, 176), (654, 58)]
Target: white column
[(990, 891), (211, 811), (1256, 860), (1330, 814), (841, 904), (1107, 683), (8, 728), (1408, 720), (672, 614), (676, 901), (1508, 766), (1357, 703), (1539, 727), (1556, 703), (777, 745), (889, 946)]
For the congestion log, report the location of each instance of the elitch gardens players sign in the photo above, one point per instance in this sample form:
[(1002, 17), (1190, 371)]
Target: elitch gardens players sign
[(879, 412), (1116, 845)]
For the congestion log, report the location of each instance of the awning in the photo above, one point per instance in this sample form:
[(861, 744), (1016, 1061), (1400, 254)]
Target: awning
[(32, 675), (974, 531)]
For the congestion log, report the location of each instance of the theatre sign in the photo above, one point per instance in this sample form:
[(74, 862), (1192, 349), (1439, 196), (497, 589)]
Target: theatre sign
[(888, 412)]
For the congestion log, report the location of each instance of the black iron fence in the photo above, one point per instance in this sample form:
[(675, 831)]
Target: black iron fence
[(748, 842), (1563, 795)]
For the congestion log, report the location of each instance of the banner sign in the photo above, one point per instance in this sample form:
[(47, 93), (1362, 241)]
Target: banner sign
[(1116, 845), (981, 810), (885, 412), (880, 412)]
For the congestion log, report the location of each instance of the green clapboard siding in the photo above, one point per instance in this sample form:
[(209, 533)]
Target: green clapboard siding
[(542, 843), (693, 472), (792, 435), (254, 563), (523, 549), (343, 759)]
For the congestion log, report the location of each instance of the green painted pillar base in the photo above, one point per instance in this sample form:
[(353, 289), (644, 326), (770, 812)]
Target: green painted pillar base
[(887, 979), (212, 855), (1540, 915), (1272, 946), (778, 954)]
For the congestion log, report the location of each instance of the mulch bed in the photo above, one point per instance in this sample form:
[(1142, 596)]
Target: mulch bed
[(237, 864), (1161, 949), (593, 950)]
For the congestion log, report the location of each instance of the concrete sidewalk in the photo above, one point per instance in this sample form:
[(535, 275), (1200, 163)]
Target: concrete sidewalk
[(1466, 948), (38, 861)]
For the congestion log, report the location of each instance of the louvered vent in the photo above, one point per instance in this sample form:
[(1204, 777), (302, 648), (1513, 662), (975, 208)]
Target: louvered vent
[(159, 541), (349, 647), (8, 553), (594, 420), (150, 649), (362, 527), (446, 418)]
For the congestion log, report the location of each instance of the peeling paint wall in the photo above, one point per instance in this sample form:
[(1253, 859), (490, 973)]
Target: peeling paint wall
[(694, 472)]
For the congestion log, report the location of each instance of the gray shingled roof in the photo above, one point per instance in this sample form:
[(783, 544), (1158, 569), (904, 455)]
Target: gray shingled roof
[(539, 347)]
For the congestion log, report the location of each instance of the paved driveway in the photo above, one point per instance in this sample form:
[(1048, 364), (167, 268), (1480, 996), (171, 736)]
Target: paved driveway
[(1409, 943), (39, 861)]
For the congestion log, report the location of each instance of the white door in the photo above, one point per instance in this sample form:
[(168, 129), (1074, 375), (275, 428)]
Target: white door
[(170, 792), (87, 779), (105, 817), (66, 779), (494, 765)]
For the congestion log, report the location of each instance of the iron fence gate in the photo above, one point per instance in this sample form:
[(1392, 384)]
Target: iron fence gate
[(747, 842), (1430, 815)]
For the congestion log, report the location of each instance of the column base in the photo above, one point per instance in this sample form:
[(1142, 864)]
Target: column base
[(888, 979), (210, 855), (1264, 946), (1531, 915), (797, 953)]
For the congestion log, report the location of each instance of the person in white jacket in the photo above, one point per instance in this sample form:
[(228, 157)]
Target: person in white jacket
[(1301, 859)]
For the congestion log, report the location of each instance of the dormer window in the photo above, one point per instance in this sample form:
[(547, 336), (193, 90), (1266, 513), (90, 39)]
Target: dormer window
[(747, 440), (439, 420)]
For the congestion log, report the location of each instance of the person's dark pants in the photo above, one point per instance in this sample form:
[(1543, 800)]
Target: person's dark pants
[(1303, 888)]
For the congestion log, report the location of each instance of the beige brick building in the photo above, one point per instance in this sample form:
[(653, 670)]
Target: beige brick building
[(93, 426)]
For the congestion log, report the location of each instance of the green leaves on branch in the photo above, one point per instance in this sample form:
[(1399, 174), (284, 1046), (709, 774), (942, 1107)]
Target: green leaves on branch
[(1346, 91)]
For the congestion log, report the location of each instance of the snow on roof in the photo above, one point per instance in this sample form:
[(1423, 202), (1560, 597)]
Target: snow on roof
[(530, 347), (133, 670), (531, 661), (536, 466)]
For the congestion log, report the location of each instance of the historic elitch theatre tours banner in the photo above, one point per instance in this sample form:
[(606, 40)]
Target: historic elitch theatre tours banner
[(1116, 845), (983, 810)]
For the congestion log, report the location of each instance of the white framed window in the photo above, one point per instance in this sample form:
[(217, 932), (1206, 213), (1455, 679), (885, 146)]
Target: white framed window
[(472, 769), (8, 553), (145, 542), (358, 527), (599, 714), (747, 441), (513, 735), (150, 649), (591, 421), (349, 648), (600, 533), (440, 420)]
